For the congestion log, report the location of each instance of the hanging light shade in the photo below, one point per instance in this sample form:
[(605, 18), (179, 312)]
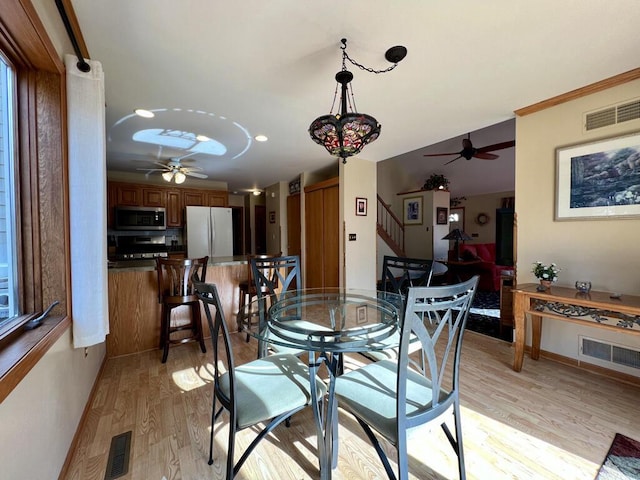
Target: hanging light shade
[(346, 133)]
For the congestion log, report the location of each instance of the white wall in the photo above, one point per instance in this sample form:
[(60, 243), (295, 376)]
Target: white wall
[(40, 416), (606, 252), (358, 269)]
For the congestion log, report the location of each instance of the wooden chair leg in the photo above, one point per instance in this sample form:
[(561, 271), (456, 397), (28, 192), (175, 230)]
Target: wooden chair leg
[(197, 322), (166, 329)]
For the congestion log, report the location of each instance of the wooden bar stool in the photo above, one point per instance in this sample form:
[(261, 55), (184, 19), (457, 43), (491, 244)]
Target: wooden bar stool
[(176, 278)]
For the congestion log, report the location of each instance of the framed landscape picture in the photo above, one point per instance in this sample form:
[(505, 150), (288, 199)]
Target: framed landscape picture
[(599, 180), (412, 211)]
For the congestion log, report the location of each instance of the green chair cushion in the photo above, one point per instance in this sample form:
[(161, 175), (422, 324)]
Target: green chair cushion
[(269, 387), (370, 391)]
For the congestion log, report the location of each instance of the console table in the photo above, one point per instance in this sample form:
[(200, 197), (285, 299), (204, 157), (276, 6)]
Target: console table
[(595, 309)]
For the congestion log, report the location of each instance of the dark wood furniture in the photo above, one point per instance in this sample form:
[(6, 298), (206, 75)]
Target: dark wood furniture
[(506, 301), (176, 280), (595, 309)]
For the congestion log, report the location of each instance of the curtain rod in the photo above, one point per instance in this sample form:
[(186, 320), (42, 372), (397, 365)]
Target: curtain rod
[(82, 65)]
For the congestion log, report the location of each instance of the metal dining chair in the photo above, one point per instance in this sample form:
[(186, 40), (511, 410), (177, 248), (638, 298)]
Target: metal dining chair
[(398, 275), (390, 397), (268, 390), (274, 277), (247, 291)]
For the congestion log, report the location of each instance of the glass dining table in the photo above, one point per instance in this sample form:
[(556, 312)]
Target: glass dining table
[(325, 323)]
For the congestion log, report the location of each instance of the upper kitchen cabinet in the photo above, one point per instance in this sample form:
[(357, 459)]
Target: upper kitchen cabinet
[(172, 198), (217, 198), (174, 208), (193, 198), (153, 197)]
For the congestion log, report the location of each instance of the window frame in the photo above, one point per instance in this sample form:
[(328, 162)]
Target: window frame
[(41, 189)]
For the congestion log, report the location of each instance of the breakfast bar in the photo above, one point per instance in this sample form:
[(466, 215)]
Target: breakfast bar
[(595, 309), (134, 311)]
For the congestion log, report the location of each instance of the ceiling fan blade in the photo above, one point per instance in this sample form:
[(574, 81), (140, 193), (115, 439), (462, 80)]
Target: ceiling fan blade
[(486, 155), (197, 175), (459, 156), (191, 169), (440, 154), (151, 169), (164, 165), (497, 146)]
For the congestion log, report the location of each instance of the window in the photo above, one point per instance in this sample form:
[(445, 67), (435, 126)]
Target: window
[(39, 226), (8, 292)]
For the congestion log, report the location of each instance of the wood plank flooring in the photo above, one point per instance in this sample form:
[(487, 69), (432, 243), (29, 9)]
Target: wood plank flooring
[(549, 421)]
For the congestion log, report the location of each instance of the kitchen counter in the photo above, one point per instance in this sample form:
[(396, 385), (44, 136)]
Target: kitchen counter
[(150, 264), (134, 311)]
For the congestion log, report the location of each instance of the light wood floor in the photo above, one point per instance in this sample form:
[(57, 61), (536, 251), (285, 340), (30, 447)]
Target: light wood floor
[(549, 421)]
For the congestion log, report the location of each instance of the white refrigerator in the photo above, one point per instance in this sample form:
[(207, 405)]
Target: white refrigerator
[(209, 232)]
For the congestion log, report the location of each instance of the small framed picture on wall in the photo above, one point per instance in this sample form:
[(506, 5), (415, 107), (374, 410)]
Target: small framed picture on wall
[(441, 215), (361, 206)]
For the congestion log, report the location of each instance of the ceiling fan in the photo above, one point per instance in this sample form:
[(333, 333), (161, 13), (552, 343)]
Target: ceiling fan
[(469, 151), (175, 170)]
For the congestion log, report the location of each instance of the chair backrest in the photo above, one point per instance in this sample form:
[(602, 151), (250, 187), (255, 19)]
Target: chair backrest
[(176, 278), (250, 268), (437, 316), (222, 357), (275, 275), (400, 273)]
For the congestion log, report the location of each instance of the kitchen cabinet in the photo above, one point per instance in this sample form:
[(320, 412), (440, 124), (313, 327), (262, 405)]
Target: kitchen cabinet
[(153, 197), (216, 198), (129, 195), (173, 199), (174, 208), (322, 228), (195, 198)]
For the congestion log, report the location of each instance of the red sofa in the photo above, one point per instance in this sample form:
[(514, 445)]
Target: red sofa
[(487, 269)]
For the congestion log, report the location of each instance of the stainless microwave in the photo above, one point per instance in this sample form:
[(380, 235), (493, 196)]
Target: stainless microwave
[(140, 218)]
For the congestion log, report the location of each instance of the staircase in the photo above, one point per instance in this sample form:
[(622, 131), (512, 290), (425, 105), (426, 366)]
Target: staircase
[(390, 228)]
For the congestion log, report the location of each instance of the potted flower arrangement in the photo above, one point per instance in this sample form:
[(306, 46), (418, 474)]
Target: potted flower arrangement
[(546, 273)]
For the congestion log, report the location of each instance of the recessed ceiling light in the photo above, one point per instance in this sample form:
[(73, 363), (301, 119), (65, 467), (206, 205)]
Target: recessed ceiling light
[(261, 138), (202, 138), (141, 112)]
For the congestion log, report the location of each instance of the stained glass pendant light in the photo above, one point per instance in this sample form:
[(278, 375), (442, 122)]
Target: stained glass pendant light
[(346, 133)]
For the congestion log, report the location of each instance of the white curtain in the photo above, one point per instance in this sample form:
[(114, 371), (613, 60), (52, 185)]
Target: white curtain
[(87, 203)]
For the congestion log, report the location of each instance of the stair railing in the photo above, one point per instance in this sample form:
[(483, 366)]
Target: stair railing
[(390, 228)]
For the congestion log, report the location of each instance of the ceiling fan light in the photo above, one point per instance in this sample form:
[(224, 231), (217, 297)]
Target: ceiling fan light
[(167, 176), (179, 177)]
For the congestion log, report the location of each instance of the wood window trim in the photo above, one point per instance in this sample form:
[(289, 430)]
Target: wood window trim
[(42, 189)]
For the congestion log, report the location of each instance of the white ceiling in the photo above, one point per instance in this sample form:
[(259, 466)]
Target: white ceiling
[(232, 70)]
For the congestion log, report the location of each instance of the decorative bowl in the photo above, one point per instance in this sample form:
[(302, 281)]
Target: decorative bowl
[(583, 286)]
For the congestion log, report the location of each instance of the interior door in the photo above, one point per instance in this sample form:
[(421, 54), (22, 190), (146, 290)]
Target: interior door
[(261, 229)]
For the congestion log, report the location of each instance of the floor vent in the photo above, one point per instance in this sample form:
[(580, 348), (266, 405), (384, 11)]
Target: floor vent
[(118, 462), (612, 115), (610, 353)]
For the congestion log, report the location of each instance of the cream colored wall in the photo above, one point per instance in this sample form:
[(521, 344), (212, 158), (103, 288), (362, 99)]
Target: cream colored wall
[(40, 416), (424, 240), (606, 252), (392, 180), (477, 204), (358, 267)]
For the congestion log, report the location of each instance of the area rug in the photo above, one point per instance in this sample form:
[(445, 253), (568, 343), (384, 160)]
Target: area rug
[(484, 316), (623, 460)]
